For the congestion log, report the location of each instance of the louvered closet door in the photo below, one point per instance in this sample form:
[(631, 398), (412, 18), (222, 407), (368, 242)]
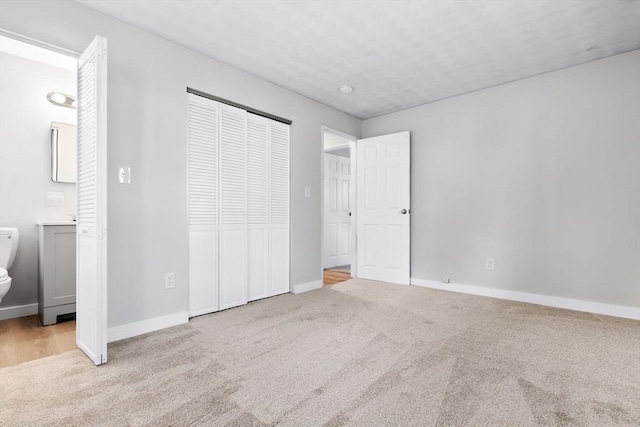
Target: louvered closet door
[(258, 206), (91, 239), (203, 205), (233, 207), (279, 207)]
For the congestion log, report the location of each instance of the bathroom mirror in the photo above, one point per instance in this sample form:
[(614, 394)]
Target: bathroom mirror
[(64, 156)]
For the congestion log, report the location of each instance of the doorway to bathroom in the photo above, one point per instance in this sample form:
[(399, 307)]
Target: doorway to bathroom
[(53, 199)]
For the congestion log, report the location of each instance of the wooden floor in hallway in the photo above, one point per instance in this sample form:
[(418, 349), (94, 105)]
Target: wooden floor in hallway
[(331, 277), (24, 338)]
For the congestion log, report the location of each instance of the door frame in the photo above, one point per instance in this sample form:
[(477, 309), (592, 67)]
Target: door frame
[(101, 318), (352, 197)]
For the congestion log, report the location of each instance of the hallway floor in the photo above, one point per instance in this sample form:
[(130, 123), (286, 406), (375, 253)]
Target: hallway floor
[(335, 275)]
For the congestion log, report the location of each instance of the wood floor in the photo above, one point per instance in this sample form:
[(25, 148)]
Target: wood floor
[(24, 339), (331, 277)]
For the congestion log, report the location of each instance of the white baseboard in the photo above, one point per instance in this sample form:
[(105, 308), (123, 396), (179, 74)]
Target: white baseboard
[(306, 287), (129, 330), (18, 311), (551, 301)]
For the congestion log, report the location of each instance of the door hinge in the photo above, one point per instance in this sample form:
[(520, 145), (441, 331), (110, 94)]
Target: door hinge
[(101, 230)]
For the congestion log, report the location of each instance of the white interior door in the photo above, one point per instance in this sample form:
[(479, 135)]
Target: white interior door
[(383, 202), (337, 221), (91, 258)]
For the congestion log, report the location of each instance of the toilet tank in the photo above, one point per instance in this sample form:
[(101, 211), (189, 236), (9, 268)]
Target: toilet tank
[(8, 246)]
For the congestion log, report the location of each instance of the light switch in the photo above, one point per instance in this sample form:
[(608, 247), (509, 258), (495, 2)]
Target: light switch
[(307, 191), (124, 175)]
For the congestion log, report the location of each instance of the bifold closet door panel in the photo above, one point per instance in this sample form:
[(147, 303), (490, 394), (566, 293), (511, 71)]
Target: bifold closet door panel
[(258, 265), (279, 207), (233, 286), (233, 207), (258, 206), (202, 193), (279, 261), (203, 274)]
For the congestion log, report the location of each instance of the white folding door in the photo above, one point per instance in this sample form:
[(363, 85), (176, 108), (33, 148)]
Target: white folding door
[(233, 207), (238, 189), (91, 228)]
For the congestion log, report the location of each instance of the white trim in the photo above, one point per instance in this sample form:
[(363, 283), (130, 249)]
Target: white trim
[(353, 176), (337, 133), (38, 43), (547, 300), (337, 148), (18, 311), (39, 54), (306, 287), (120, 332)]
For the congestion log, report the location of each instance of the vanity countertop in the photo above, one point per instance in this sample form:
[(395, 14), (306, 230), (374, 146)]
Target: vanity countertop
[(56, 223)]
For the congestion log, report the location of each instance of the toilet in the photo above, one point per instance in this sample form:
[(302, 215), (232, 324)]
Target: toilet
[(9, 238)]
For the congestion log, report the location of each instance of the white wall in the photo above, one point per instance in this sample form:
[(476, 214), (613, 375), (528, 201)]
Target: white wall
[(147, 131), (25, 162), (542, 174)]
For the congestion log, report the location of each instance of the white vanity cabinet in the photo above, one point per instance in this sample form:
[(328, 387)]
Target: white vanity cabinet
[(56, 270)]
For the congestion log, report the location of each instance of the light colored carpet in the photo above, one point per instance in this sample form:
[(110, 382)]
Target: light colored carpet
[(358, 353)]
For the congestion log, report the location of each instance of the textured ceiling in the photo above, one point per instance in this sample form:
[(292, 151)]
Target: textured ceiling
[(396, 54)]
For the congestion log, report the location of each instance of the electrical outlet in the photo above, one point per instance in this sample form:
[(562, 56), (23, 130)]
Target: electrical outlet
[(169, 280), (446, 280), (491, 264)]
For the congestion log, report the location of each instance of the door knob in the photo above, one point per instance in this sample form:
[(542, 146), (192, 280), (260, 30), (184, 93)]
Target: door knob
[(403, 211)]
